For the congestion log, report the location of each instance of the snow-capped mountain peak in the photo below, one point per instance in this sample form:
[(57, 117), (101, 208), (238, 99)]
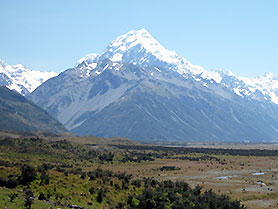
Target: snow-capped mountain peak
[(142, 49), (89, 58), (143, 39), (266, 84), (2, 65), (19, 78)]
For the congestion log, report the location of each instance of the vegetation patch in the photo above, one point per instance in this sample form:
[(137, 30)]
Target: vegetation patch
[(39, 173)]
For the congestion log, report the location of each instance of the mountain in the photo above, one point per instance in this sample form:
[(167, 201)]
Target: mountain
[(21, 79), (262, 88), (138, 89), (266, 86), (18, 113)]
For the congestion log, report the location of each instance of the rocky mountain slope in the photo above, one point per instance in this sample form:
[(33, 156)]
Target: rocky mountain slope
[(136, 88)]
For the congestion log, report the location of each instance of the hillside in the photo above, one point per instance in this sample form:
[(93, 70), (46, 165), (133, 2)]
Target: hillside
[(20, 114)]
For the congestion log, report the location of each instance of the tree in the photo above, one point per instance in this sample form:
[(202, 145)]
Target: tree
[(28, 199), (12, 196), (28, 174), (41, 196), (100, 195), (92, 190), (44, 178), (197, 190)]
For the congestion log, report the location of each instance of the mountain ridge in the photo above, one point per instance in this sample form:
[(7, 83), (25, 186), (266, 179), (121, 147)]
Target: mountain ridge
[(19, 78), (267, 89), (130, 91)]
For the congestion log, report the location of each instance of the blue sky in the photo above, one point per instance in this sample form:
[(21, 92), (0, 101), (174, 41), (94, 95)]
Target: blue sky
[(238, 35)]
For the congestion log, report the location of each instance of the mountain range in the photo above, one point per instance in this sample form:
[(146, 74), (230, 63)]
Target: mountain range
[(138, 89), (21, 79)]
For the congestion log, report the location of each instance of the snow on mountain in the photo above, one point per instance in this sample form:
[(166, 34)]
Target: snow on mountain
[(21, 79), (86, 65), (266, 84), (145, 40), (140, 48), (89, 58), (136, 84), (264, 88)]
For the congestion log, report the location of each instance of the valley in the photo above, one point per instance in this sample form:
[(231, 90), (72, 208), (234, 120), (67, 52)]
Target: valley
[(251, 179), (138, 104), (72, 173)]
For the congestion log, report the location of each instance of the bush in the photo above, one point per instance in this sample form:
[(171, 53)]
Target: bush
[(44, 178), (100, 195), (12, 196), (28, 174), (41, 196), (28, 199), (92, 190), (12, 182)]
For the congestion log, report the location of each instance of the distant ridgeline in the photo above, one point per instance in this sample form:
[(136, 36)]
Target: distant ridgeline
[(20, 114)]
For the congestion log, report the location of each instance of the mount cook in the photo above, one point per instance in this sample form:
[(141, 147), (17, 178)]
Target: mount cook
[(138, 89)]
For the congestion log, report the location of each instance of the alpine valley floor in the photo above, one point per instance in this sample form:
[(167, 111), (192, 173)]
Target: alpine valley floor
[(114, 173)]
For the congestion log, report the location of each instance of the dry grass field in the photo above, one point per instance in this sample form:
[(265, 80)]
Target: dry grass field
[(251, 179)]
